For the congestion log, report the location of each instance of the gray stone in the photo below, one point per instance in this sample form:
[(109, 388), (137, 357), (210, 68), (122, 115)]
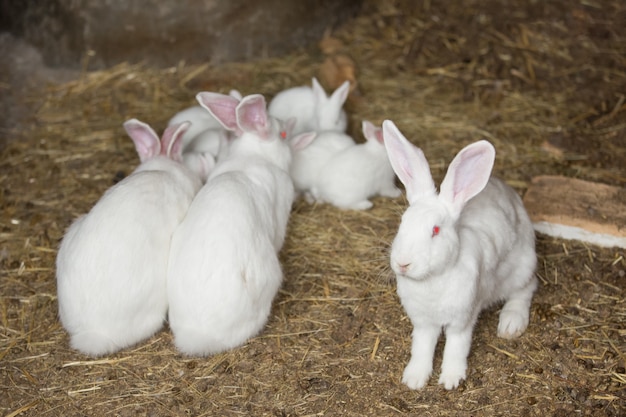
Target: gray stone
[(165, 32)]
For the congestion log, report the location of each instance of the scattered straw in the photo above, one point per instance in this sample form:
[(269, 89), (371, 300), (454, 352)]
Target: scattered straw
[(337, 338)]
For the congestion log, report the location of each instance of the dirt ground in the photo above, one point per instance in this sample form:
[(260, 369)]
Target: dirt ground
[(544, 81)]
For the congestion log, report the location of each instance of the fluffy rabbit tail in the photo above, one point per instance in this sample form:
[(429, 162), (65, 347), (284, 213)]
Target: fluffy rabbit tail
[(196, 341), (196, 338), (95, 343), (100, 340)]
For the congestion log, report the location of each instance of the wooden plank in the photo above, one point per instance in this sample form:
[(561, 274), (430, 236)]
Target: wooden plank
[(570, 208)]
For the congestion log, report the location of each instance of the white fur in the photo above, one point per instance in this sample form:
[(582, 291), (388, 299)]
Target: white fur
[(309, 161), (484, 253), (312, 108), (206, 140), (200, 120), (356, 173), (112, 262), (224, 270), (205, 149)]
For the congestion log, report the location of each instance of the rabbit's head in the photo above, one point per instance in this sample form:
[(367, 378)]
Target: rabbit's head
[(427, 241)]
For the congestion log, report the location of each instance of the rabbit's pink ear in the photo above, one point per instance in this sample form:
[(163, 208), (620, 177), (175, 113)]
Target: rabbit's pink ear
[(467, 174), (171, 142), (221, 106), (302, 140), (145, 139), (371, 132), (408, 162), (252, 116)]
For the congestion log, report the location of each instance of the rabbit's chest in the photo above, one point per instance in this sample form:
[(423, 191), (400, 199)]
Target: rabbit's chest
[(436, 302)]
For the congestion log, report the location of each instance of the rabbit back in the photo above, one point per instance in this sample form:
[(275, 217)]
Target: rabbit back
[(111, 263), (496, 225), (224, 270), (297, 102), (355, 174), (308, 162)]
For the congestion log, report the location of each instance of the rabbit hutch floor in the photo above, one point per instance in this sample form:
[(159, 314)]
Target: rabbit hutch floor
[(544, 82)]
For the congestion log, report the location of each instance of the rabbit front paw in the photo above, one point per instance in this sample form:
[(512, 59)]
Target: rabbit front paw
[(451, 378), (416, 375)]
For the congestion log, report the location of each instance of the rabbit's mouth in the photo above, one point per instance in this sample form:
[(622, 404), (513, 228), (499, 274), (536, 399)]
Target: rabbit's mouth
[(409, 270)]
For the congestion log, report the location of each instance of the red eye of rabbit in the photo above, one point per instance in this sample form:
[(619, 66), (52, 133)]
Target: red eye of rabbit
[(283, 134), (435, 230)]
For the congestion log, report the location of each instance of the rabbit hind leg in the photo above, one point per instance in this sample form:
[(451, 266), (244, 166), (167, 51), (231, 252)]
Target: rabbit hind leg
[(515, 313)]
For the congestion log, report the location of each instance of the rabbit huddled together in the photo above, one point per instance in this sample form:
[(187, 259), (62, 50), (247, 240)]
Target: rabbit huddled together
[(334, 168), (192, 236), (112, 262)]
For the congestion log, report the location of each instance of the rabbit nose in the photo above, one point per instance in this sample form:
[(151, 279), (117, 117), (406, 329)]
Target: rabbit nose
[(403, 267)]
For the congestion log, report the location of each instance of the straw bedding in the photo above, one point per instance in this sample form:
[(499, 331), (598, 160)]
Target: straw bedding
[(544, 82)]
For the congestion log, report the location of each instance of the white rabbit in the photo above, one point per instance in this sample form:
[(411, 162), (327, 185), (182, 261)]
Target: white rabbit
[(457, 253), (112, 262), (357, 173), (202, 153), (312, 108), (224, 270), (309, 161), (205, 140), (200, 119)]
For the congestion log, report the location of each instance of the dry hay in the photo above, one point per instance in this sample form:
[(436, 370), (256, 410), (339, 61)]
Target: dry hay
[(337, 340)]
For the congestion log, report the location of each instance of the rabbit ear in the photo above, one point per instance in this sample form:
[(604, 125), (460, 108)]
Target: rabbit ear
[(408, 162), (467, 174), (145, 139), (289, 125), (171, 141), (221, 106), (371, 132), (340, 95), (318, 90), (200, 162), (302, 140), (252, 116), (235, 94)]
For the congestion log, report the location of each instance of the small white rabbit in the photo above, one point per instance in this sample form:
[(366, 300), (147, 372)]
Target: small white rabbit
[(202, 153), (205, 140), (309, 161), (457, 253), (356, 173), (224, 270), (312, 108), (112, 262), (200, 120)]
